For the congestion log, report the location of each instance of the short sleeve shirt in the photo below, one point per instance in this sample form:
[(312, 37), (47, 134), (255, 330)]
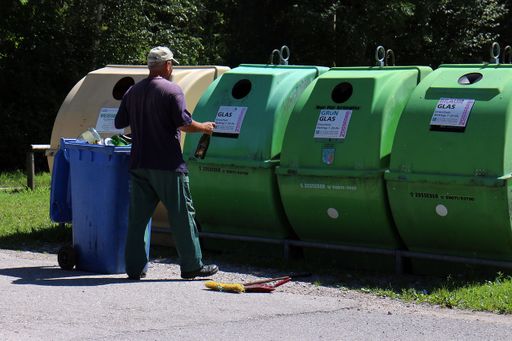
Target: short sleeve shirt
[(154, 108)]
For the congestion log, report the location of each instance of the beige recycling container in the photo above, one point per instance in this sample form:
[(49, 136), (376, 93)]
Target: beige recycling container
[(94, 100)]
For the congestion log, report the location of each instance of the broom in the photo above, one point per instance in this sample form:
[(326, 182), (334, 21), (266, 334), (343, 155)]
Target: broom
[(256, 286)]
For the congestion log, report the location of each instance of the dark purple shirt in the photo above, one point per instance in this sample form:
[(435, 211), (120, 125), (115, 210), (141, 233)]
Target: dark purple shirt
[(154, 108)]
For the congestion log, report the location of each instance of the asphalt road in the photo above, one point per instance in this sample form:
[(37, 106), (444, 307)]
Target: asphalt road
[(39, 301)]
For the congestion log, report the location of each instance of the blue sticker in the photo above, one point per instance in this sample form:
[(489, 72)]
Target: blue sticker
[(328, 155)]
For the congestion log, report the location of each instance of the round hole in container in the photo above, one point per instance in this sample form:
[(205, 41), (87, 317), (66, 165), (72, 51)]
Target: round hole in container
[(441, 210), (121, 87), (470, 78), (241, 88), (341, 92), (333, 213)]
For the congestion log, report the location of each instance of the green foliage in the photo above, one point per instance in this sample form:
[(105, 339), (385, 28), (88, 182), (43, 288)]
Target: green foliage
[(420, 32), (491, 293), (47, 46), (488, 295), (16, 179), (452, 31), (175, 24), (123, 34), (31, 85), (24, 217)]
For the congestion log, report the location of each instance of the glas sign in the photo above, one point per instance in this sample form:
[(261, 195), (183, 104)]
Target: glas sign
[(229, 120), (332, 124), (105, 122), (452, 112)]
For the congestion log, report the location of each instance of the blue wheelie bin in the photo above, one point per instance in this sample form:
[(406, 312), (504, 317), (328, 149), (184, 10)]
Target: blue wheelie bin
[(99, 187)]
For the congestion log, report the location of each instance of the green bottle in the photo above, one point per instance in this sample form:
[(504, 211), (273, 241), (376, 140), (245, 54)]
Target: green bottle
[(119, 141)]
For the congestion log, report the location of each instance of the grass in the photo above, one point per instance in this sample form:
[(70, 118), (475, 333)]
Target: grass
[(18, 180), (24, 214), (25, 224), (492, 293)]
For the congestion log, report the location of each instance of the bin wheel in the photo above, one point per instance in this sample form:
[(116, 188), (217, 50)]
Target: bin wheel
[(67, 257)]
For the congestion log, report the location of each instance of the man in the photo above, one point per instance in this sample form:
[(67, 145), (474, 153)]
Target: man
[(154, 108)]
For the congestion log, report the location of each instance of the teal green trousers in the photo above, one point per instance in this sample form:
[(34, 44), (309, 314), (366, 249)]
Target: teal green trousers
[(147, 188)]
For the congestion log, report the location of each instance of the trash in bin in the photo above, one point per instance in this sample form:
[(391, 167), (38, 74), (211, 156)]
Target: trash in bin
[(90, 136)]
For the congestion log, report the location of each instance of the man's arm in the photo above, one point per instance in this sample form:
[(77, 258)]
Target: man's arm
[(199, 127), (122, 119)]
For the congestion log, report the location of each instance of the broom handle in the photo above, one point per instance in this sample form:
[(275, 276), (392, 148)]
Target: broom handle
[(261, 281), (290, 276), (281, 282)]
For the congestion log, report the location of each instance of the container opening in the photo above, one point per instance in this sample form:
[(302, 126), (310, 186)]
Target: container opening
[(341, 92), (470, 78), (121, 87), (450, 129), (241, 88)]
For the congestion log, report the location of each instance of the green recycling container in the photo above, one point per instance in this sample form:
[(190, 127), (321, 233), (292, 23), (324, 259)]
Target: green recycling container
[(235, 187), (449, 178), (335, 151)]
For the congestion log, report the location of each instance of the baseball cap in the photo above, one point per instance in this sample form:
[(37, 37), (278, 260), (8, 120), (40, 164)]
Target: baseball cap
[(160, 54)]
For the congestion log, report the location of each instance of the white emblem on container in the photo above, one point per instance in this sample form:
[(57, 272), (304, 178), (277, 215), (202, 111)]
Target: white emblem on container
[(441, 210), (333, 213)]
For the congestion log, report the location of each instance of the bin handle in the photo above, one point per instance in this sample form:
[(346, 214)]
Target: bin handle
[(390, 55), (495, 53), (380, 55), (274, 53), (280, 55), (282, 59), (507, 55)]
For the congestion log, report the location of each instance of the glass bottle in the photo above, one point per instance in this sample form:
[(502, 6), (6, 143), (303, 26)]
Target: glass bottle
[(90, 136), (118, 140), (202, 146)]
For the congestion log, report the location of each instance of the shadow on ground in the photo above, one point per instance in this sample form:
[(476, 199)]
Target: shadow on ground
[(331, 270), (53, 276)]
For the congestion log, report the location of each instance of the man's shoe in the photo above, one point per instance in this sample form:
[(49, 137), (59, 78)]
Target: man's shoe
[(136, 278), (204, 271)]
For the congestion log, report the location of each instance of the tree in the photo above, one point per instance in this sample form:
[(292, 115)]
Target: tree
[(452, 31), (47, 46), (32, 80)]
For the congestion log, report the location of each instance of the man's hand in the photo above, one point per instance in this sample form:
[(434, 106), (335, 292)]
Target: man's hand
[(198, 127), (208, 127)]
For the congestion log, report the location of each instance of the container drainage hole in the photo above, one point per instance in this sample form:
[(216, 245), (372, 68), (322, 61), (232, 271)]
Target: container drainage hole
[(241, 88), (341, 92), (121, 87), (470, 78)]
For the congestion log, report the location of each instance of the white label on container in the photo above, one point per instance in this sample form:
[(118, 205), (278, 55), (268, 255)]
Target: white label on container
[(229, 119), (332, 124), (452, 112), (105, 123)]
